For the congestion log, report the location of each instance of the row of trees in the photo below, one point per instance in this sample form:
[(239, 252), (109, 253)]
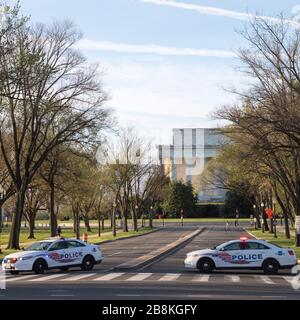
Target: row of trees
[(51, 114), (261, 153)]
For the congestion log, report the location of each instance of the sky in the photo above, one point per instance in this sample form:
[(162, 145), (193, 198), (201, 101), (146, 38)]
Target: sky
[(167, 64)]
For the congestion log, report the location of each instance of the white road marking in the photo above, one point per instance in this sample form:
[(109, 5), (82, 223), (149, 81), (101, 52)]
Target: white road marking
[(200, 296), (128, 295), (170, 277), (114, 254), (203, 278), (234, 278), (109, 276), (139, 277), (53, 276), (289, 279), (266, 279), (17, 278), (80, 276)]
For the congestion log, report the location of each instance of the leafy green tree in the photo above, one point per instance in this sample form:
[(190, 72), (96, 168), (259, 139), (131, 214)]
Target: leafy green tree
[(180, 197)]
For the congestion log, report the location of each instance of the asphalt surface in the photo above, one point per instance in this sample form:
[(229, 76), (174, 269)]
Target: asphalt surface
[(166, 278)]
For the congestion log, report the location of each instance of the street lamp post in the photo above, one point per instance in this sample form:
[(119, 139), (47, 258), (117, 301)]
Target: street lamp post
[(254, 211), (150, 217), (181, 217), (114, 231), (262, 217), (274, 219), (2, 195), (136, 211)]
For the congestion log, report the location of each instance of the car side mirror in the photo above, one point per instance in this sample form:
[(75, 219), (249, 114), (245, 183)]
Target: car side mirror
[(222, 249)]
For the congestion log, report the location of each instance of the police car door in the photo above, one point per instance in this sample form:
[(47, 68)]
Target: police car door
[(56, 254), (255, 253), (75, 251), (228, 255)]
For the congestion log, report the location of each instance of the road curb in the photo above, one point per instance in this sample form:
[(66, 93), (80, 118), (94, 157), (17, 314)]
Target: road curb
[(124, 238), (158, 253)]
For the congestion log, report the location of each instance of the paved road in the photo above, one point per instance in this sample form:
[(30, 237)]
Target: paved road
[(164, 279)]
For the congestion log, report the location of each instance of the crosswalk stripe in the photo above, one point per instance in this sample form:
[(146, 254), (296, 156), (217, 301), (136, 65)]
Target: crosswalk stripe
[(234, 278), (53, 276), (288, 279), (139, 277), (109, 276), (266, 279), (17, 278), (203, 278), (80, 276), (170, 277)]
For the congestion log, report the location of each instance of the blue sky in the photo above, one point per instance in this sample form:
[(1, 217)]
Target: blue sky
[(166, 62)]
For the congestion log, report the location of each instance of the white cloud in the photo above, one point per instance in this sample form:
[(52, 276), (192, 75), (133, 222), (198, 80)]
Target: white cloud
[(218, 12), (158, 96), (152, 49)]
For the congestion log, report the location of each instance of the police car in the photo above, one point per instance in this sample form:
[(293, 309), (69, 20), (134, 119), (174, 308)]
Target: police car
[(53, 254), (242, 254)]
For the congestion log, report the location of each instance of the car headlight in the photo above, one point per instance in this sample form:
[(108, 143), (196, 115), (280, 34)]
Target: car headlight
[(26, 258), (193, 256)]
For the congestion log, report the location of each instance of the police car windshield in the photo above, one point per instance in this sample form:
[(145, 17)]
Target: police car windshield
[(218, 247), (39, 246)]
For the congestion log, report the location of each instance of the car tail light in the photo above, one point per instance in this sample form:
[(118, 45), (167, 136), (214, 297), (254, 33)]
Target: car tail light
[(291, 252)]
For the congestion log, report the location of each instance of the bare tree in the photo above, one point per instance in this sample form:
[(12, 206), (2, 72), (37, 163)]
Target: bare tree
[(49, 96)]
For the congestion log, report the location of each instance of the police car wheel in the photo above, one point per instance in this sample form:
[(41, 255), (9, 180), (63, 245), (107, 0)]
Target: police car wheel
[(87, 263), (270, 266), (39, 266), (14, 272), (205, 265)]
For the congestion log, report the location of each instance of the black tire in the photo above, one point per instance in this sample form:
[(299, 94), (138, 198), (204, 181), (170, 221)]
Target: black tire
[(87, 263), (64, 268), (14, 272), (205, 265), (270, 266), (40, 266)]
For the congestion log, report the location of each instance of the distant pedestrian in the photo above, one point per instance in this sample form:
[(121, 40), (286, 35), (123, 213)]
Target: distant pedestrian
[(227, 226), (58, 231), (236, 221)]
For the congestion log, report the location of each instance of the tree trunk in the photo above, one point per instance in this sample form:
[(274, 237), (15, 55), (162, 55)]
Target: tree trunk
[(14, 236), (286, 225), (87, 223), (53, 218), (134, 220), (99, 225), (125, 223), (77, 225), (102, 220), (31, 226), (256, 215), (266, 226), (74, 221)]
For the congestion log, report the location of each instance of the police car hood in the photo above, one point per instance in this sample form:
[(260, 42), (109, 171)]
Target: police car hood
[(25, 253), (202, 252)]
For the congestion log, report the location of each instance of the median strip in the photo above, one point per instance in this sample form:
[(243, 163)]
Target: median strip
[(156, 254)]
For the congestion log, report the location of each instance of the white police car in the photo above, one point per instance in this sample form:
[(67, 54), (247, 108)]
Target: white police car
[(242, 254), (51, 254)]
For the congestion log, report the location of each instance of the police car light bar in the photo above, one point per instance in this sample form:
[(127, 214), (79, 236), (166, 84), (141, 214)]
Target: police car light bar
[(243, 238)]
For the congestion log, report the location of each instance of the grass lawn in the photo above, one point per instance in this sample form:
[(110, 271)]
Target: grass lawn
[(44, 234), (280, 240)]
